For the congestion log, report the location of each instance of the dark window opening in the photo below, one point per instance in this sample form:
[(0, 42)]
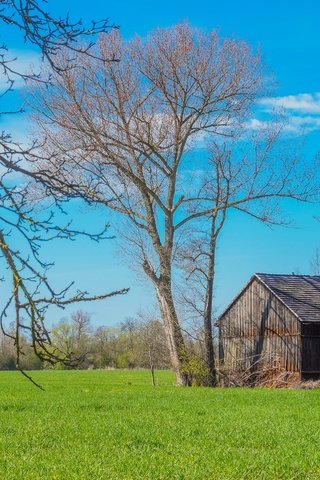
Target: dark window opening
[(310, 342), (310, 329)]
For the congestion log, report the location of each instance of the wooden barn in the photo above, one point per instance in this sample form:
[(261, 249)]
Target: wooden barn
[(273, 325)]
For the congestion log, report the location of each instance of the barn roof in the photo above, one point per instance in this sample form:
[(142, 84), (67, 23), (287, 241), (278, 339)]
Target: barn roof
[(300, 293)]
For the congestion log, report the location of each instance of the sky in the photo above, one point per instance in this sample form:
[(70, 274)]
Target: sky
[(287, 33)]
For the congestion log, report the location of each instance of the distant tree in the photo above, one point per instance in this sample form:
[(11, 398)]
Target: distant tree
[(7, 353), (103, 347), (81, 322), (29, 361), (73, 338), (129, 328), (153, 346)]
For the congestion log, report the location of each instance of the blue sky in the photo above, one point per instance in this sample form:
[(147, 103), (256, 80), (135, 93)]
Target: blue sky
[(287, 33)]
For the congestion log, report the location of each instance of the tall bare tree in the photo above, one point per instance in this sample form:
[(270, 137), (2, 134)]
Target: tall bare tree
[(122, 134)]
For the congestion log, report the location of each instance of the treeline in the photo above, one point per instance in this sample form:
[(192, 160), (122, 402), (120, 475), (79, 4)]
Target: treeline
[(133, 344)]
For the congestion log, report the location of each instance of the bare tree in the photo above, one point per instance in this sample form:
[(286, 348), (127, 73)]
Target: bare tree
[(125, 131), (22, 228), (74, 338), (153, 345), (81, 321)]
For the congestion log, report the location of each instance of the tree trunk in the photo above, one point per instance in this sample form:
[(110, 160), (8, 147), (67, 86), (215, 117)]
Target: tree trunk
[(208, 336), (176, 344), (151, 368), (207, 316)]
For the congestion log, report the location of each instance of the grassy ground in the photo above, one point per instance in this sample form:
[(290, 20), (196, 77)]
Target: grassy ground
[(113, 425)]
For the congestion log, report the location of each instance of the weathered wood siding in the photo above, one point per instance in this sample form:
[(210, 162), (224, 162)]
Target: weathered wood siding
[(259, 328)]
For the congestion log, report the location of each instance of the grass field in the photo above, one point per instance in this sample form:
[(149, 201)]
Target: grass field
[(114, 425)]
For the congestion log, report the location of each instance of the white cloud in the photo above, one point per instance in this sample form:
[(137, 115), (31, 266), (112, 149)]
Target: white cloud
[(303, 103), (300, 113), (256, 124), (294, 124), (310, 123)]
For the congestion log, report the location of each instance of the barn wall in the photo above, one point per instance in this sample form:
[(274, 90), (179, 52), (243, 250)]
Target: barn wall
[(259, 330)]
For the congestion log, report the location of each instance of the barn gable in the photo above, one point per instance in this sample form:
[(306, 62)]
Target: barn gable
[(275, 319)]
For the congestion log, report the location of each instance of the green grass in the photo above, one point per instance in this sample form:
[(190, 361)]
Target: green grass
[(113, 425)]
